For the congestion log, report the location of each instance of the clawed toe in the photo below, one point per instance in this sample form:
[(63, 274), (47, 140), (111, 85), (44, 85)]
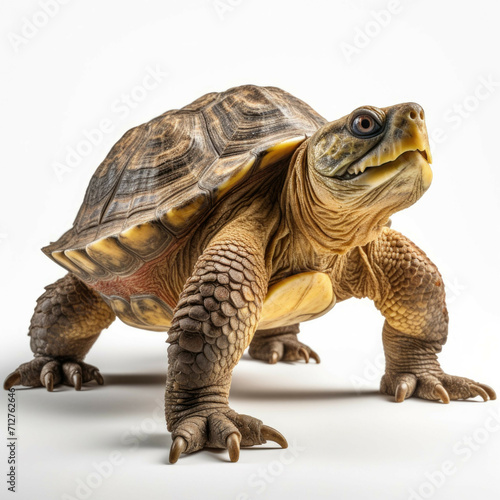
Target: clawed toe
[(489, 391), (404, 386), (13, 379), (48, 381), (50, 375), (304, 354), (96, 374), (315, 356), (270, 434), (441, 393), (77, 381), (274, 358), (401, 392), (178, 447), (480, 392), (233, 446)]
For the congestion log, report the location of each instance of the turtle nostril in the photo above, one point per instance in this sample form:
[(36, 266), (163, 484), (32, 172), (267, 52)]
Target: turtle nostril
[(413, 114), (421, 115)]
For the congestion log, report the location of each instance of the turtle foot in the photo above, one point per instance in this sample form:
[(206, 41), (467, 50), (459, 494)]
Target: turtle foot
[(49, 372), (224, 429), (437, 386), (284, 347)]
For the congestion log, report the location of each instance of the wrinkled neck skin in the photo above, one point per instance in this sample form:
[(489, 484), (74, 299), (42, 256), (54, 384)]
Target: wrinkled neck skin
[(320, 227)]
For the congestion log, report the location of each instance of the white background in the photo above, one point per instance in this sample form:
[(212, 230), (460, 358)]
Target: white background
[(64, 74)]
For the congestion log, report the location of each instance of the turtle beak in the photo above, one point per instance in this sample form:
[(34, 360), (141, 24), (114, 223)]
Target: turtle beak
[(405, 131)]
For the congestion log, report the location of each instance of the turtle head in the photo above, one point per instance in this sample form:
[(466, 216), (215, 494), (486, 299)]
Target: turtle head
[(367, 166), (379, 153)]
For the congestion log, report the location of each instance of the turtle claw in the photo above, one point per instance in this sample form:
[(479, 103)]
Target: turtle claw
[(442, 393), (48, 381), (480, 391), (401, 392), (50, 375), (489, 390), (13, 379), (98, 377), (178, 447), (270, 434), (304, 354), (274, 358), (315, 356), (233, 446), (77, 381), (73, 374)]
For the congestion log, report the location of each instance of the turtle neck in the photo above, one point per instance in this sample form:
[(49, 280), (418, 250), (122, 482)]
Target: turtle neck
[(321, 222)]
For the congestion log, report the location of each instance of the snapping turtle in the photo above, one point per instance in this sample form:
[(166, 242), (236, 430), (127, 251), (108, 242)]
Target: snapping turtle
[(227, 223)]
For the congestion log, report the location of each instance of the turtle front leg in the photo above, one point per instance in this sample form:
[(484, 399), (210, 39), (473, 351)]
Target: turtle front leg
[(280, 344), (412, 369), (214, 322), (408, 289)]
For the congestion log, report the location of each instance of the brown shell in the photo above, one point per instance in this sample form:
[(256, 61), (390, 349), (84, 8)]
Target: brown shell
[(164, 176)]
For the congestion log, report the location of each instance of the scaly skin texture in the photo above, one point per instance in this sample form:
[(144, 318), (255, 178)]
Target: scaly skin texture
[(213, 324), (321, 211), (67, 320), (408, 290)]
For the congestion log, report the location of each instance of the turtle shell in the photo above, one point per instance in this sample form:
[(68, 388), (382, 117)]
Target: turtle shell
[(165, 176)]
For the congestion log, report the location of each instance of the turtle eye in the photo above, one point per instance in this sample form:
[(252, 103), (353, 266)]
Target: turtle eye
[(365, 125)]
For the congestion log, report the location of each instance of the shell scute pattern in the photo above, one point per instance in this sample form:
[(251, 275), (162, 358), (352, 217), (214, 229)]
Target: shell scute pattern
[(162, 178)]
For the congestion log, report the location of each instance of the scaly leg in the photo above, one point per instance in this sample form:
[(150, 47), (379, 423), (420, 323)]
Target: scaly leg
[(67, 320), (214, 322), (280, 344), (408, 289)]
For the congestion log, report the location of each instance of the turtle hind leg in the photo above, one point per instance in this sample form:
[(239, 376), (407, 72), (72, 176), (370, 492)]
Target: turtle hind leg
[(67, 320), (280, 344)]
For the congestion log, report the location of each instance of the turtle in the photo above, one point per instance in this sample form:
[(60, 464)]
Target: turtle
[(229, 222)]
